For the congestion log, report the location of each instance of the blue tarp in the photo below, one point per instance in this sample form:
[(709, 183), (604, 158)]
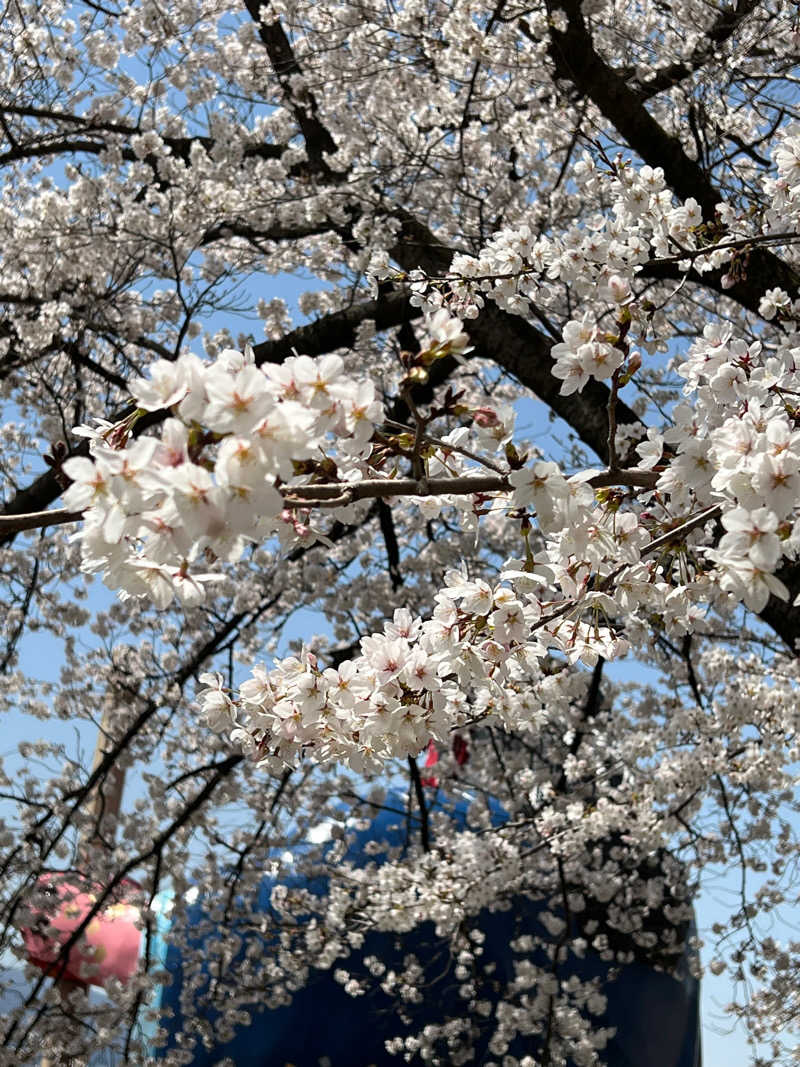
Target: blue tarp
[(656, 1016)]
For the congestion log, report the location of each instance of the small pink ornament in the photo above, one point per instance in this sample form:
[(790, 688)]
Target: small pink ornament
[(460, 750), (431, 759)]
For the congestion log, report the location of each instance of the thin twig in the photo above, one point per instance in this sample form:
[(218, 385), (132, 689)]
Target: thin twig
[(613, 459), (448, 446), (424, 830)]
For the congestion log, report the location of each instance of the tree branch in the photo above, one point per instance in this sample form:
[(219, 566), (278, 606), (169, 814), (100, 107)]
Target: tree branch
[(390, 540), (301, 101), (718, 33), (576, 60), (341, 494)]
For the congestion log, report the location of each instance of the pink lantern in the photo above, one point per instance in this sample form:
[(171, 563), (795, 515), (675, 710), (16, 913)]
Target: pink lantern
[(107, 948)]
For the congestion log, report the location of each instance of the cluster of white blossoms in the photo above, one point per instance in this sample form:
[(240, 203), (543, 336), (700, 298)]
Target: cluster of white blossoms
[(413, 682), (598, 260), (584, 354), (474, 657), (154, 507), (784, 190), (739, 446)]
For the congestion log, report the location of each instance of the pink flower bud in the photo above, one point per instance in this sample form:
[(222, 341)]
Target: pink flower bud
[(485, 417), (619, 288)]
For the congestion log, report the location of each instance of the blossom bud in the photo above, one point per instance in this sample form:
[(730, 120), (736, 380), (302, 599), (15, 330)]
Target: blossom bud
[(485, 417), (618, 288)]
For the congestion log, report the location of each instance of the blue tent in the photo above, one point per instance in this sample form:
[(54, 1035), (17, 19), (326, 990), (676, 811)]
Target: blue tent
[(655, 1014)]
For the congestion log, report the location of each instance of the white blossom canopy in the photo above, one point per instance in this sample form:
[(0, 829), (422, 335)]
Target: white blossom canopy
[(591, 204)]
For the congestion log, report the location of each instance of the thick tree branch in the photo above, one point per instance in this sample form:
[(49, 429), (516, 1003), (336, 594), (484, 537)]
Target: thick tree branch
[(338, 329), (419, 793), (576, 61), (104, 135), (517, 346), (724, 26), (299, 98), (340, 494)]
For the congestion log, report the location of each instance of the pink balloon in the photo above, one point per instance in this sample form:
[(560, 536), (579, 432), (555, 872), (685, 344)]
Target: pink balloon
[(108, 947)]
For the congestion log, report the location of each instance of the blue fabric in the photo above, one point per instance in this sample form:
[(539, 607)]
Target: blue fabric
[(656, 1016)]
